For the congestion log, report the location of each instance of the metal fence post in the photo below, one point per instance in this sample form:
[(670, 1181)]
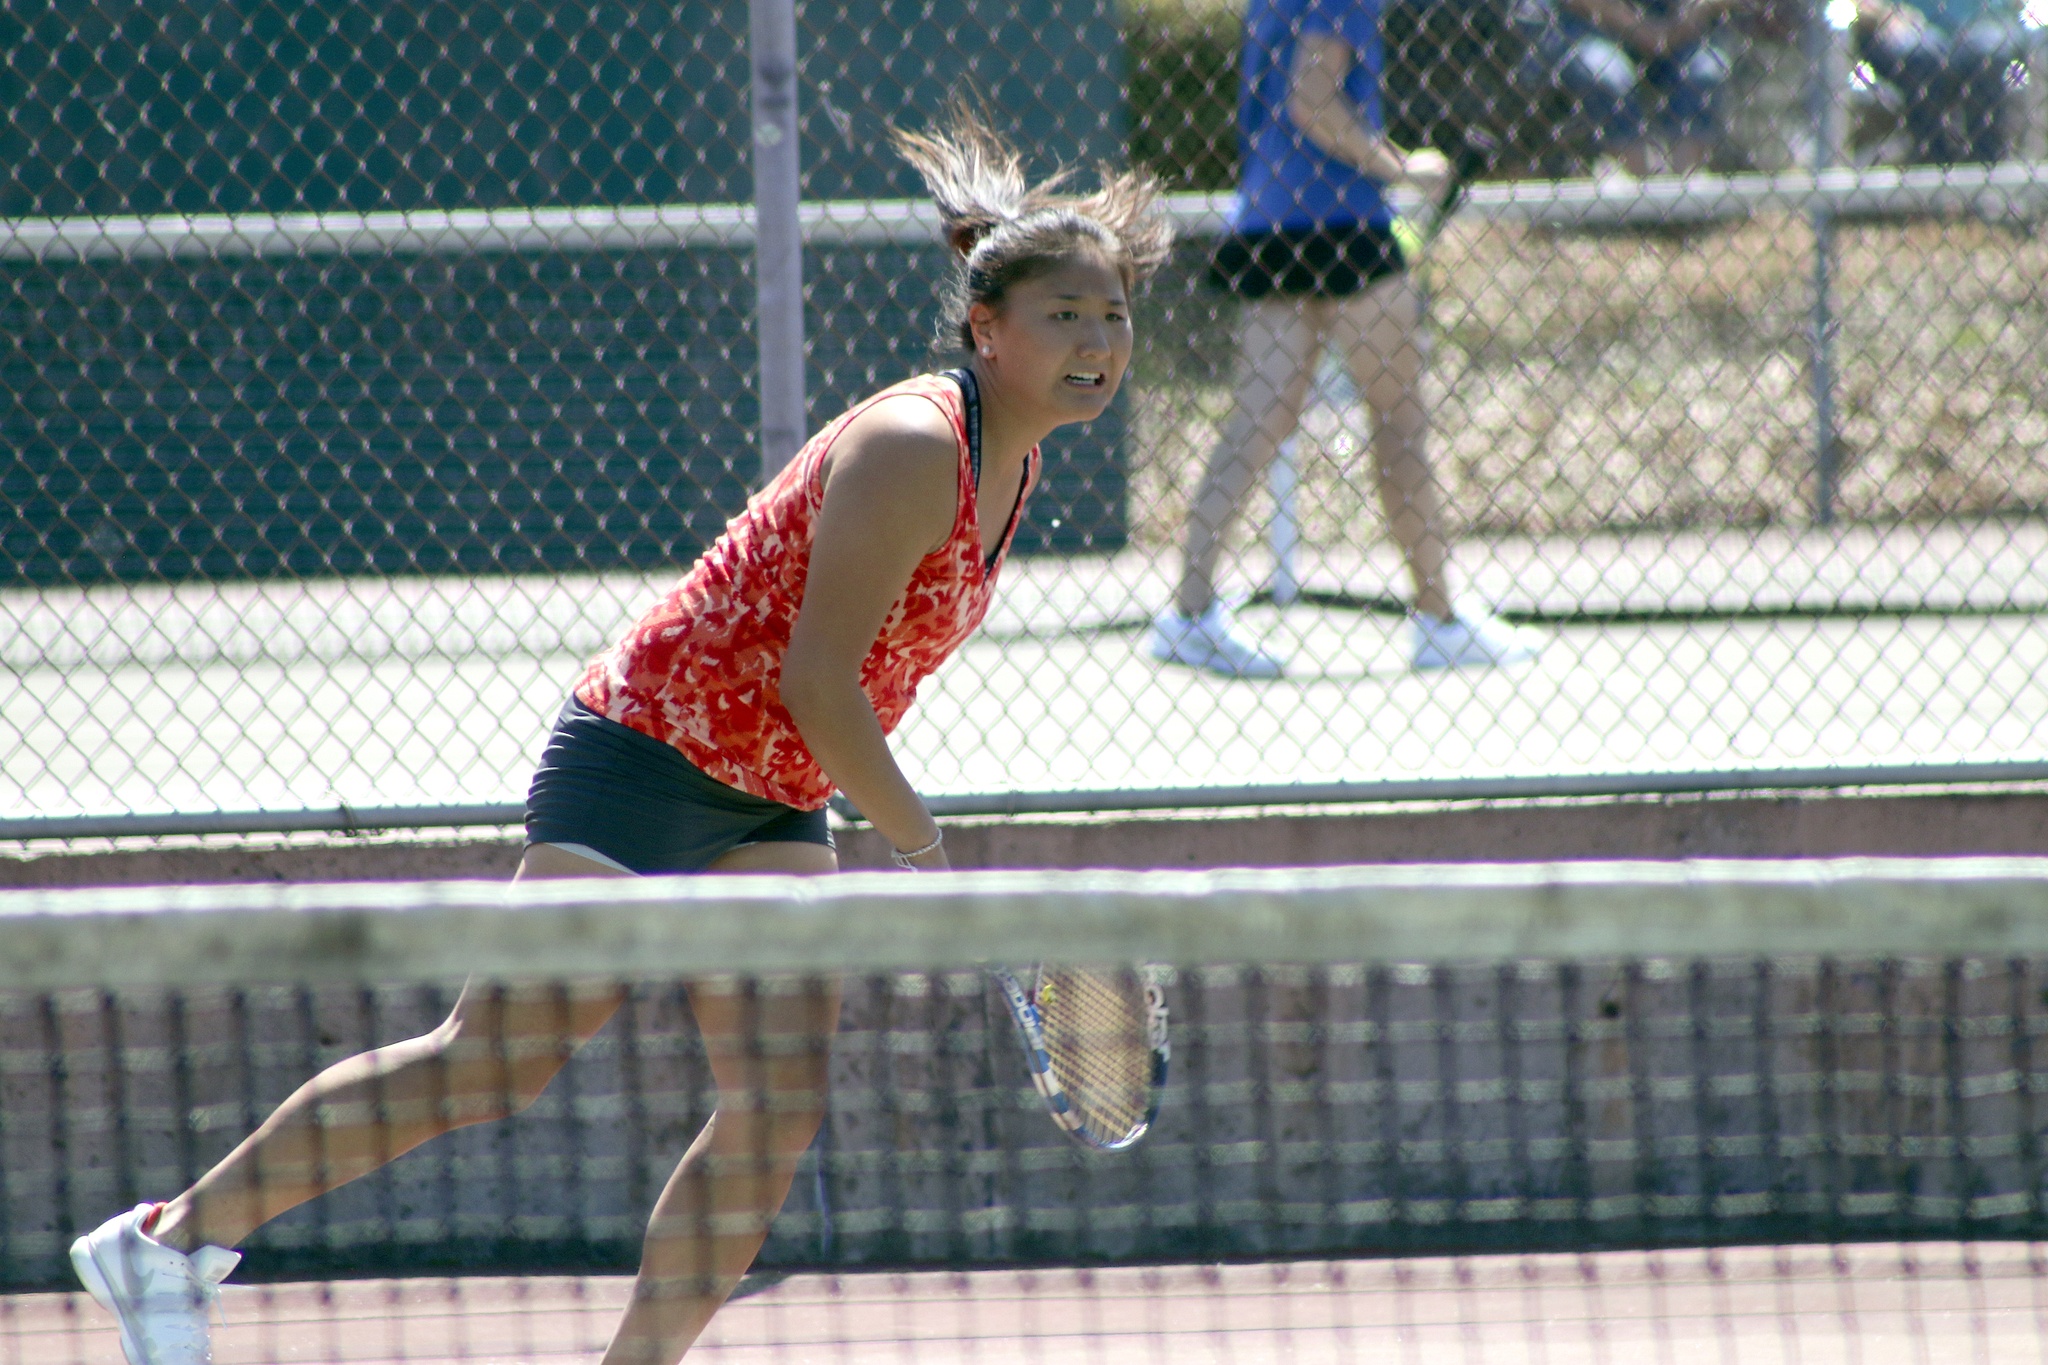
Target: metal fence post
[(778, 238), (2034, 110), (1827, 77)]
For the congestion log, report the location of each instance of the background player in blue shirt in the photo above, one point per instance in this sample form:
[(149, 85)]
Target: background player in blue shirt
[(1312, 252)]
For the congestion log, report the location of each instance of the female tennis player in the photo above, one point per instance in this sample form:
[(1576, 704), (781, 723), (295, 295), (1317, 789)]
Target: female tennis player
[(709, 739)]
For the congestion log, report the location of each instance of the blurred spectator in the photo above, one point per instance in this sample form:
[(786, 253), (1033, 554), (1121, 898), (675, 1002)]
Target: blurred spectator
[(1768, 123), (1639, 72), (1949, 61), (1766, 110)]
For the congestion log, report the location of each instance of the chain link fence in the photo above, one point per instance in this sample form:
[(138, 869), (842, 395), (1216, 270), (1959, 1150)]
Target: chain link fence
[(368, 367)]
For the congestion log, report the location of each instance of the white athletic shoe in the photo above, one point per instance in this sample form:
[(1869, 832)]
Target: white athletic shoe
[(1470, 639), (1209, 641), (159, 1295)]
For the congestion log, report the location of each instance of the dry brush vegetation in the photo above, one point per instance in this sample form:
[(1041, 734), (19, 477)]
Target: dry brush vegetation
[(1587, 381)]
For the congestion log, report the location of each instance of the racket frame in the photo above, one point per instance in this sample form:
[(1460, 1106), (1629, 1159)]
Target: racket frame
[(1038, 1058)]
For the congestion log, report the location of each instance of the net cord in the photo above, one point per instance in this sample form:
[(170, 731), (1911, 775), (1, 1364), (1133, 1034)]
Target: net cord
[(692, 926)]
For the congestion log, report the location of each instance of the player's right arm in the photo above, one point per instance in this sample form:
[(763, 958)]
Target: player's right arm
[(1318, 105), (891, 496)]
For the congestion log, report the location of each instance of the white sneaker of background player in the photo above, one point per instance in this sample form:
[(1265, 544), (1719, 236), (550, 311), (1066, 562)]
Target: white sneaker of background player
[(160, 1295), (1470, 639), (1209, 641)]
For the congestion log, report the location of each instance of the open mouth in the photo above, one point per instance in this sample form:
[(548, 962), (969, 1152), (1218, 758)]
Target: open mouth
[(1087, 379)]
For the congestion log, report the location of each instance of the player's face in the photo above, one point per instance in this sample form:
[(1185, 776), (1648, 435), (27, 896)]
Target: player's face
[(1063, 339)]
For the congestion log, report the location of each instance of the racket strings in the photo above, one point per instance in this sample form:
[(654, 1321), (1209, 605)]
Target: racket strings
[(1097, 1045)]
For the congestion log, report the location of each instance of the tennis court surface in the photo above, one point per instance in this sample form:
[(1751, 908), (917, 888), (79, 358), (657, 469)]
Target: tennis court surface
[(1848, 648), (1809, 1305), (1601, 1113)]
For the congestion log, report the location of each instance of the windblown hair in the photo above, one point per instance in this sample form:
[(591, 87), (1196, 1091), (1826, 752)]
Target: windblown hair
[(1005, 231)]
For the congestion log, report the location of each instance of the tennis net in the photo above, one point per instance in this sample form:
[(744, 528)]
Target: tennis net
[(1747, 1111)]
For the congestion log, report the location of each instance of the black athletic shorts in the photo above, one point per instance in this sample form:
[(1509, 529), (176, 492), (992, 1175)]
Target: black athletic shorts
[(1321, 262), (606, 788)]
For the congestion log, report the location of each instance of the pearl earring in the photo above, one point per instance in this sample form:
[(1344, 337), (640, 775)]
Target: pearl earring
[(988, 350)]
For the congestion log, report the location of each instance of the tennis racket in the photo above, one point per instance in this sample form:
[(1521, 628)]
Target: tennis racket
[(1095, 1042), (1416, 235)]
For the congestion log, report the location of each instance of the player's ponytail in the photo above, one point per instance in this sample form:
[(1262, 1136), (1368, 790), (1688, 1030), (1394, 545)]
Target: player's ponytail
[(1004, 230), (976, 179)]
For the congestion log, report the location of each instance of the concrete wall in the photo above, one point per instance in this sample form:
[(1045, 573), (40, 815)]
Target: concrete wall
[(1770, 825)]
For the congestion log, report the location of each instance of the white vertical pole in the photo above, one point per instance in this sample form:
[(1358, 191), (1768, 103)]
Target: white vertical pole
[(1333, 389), (1283, 533), (778, 238), (2034, 112)]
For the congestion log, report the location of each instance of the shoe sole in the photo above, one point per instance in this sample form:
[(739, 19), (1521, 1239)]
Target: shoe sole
[(1165, 653), (1212, 670), (1448, 665), (1489, 661), (1227, 673)]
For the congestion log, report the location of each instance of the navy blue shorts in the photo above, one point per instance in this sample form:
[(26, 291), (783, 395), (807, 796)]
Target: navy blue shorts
[(1331, 262), (604, 787)]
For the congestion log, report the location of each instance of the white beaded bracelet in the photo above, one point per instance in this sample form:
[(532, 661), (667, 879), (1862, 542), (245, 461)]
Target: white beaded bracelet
[(902, 859)]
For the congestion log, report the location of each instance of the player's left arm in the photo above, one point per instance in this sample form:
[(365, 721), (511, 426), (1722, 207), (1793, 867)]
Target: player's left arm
[(890, 498)]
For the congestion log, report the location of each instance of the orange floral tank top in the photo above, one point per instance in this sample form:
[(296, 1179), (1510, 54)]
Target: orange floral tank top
[(702, 670)]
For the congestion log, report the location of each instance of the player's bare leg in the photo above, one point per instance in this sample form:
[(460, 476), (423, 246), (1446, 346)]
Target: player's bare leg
[(1278, 341), (1379, 333), (492, 1056), (1388, 353), (768, 1046), (157, 1268)]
